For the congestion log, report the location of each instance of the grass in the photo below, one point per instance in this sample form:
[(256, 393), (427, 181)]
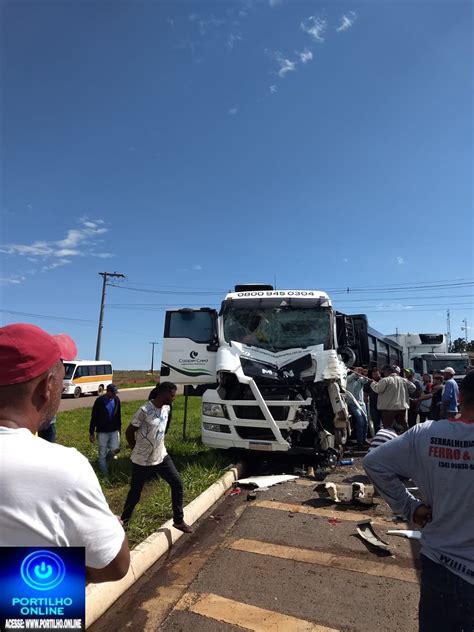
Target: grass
[(131, 379), (198, 465)]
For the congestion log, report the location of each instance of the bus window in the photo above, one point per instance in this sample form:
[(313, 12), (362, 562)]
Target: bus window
[(68, 370)]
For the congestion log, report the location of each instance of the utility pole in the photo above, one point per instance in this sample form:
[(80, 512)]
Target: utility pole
[(465, 328), (448, 329), (153, 354), (104, 276)]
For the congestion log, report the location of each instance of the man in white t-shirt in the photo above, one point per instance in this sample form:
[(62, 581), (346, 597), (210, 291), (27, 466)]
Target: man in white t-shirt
[(49, 494), (146, 438)]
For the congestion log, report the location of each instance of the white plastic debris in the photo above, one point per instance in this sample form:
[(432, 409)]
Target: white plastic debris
[(405, 533), (266, 481)]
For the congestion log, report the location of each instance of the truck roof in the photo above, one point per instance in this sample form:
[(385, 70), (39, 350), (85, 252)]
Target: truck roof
[(283, 294)]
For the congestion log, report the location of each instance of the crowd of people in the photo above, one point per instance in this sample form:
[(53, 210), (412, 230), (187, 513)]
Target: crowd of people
[(50, 495), (397, 402)]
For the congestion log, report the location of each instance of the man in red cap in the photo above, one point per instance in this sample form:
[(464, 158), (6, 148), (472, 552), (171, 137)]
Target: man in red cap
[(49, 494)]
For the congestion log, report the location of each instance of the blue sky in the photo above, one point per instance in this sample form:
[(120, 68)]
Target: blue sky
[(192, 146)]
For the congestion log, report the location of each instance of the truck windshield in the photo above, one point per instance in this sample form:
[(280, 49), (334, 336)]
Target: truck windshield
[(68, 370), (437, 364), (279, 328)]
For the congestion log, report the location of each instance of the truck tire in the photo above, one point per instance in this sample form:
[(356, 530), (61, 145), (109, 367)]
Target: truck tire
[(347, 355)]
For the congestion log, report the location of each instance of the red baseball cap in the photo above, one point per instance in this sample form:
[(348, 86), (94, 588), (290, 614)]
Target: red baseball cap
[(27, 351)]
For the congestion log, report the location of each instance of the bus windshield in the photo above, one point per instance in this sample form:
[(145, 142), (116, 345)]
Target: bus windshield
[(68, 370), (279, 328)]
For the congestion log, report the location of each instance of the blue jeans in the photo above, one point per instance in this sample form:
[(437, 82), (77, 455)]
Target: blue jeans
[(108, 442), (446, 600), (361, 423), (376, 417)]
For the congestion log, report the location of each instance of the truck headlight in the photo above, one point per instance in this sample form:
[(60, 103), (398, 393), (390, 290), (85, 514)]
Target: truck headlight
[(216, 427), (213, 410)]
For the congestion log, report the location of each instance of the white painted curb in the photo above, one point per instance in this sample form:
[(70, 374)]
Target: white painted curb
[(99, 597)]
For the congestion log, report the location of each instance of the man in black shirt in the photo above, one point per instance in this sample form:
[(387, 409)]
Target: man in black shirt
[(106, 421)]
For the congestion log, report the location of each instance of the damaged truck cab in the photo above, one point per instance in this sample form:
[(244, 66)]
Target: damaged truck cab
[(269, 369)]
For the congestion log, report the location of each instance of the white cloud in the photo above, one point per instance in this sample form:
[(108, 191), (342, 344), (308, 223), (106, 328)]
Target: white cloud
[(233, 111), (56, 264), (170, 21), (274, 3), (14, 279), (306, 56), (78, 242), (286, 65), (345, 260), (273, 89), (315, 27), (232, 39), (197, 267), (400, 261), (347, 20)]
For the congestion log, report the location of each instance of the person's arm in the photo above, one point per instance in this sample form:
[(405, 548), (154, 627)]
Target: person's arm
[(85, 520), (130, 433), (424, 397), (115, 570), (446, 398), (411, 387), (93, 423), (380, 386), (170, 414), (119, 413), (390, 461)]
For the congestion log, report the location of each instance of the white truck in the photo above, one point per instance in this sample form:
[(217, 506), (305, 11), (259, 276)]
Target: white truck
[(425, 353), (270, 368)]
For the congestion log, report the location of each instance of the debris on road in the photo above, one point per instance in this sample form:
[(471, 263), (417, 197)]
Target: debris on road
[(347, 492), (334, 521), (266, 481), (347, 462), (405, 533), (366, 531), (235, 491)]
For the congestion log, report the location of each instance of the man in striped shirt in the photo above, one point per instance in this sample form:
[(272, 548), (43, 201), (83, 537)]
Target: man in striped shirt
[(382, 436)]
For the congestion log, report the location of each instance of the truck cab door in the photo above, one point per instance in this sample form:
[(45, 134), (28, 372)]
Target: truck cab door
[(190, 346)]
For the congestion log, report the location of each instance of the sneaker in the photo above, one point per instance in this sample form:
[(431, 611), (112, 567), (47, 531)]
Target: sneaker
[(182, 526)]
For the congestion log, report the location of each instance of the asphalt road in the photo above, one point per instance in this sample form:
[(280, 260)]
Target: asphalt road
[(278, 563), (87, 401)]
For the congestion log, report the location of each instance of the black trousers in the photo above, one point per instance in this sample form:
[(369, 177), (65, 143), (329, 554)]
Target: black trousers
[(141, 473), (446, 600)]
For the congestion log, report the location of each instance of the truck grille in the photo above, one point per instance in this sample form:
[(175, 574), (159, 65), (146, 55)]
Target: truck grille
[(279, 413), (255, 434)]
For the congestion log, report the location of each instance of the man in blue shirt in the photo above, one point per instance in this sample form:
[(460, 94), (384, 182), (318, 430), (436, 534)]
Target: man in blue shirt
[(106, 421), (450, 398)]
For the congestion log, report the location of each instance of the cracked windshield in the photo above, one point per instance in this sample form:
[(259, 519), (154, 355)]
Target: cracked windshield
[(277, 329)]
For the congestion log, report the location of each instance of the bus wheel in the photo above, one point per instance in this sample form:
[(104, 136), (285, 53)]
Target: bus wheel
[(77, 392), (100, 390)]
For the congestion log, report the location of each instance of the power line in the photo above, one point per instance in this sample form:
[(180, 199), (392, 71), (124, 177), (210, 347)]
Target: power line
[(81, 321)]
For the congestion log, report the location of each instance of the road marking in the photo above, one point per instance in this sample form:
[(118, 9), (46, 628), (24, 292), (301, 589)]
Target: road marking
[(323, 512), (246, 616), (367, 567)]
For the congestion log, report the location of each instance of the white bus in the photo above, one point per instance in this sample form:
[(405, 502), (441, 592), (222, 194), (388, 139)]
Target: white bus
[(87, 376)]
